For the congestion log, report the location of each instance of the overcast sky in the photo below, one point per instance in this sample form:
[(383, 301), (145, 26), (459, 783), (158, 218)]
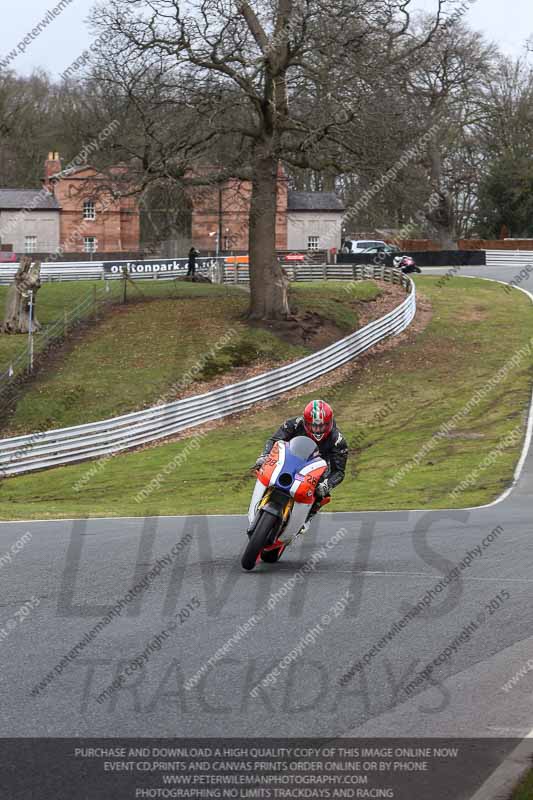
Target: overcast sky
[(59, 44)]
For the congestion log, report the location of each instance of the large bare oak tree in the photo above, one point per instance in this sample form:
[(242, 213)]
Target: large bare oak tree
[(276, 81)]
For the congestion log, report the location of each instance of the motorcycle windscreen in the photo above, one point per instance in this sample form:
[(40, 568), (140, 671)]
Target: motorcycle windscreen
[(303, 447)]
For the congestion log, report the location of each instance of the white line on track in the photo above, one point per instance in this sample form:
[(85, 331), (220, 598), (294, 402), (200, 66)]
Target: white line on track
[(529, 428), (434, 577)]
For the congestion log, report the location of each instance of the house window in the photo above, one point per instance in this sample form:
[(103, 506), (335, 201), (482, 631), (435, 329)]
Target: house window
[(313, 242), (89, 210), (30, 244), (90, 243)]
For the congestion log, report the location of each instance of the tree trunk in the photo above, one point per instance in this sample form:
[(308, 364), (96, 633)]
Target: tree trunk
[(17, 312), (441, 218), (441, 215), (268, 286)]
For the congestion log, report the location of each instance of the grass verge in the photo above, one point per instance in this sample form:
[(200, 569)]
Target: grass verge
[(56, 298), (389, 409), (132, 357), (524, 790)]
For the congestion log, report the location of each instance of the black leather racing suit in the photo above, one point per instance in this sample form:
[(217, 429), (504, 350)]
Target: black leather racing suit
[(333, 449)]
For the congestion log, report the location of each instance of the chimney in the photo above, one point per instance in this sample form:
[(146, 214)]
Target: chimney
[(52, 166)]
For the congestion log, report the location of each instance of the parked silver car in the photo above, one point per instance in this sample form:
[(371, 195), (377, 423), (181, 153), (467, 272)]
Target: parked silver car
[(360, 245)]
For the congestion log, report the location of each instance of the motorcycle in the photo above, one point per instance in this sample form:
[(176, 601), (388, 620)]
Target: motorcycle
[(406, 264), (282, 499)]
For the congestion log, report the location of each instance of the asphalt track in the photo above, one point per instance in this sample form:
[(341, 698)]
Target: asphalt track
[(386, 561)]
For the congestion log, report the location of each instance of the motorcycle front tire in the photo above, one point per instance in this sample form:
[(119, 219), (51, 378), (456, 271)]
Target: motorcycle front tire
[(272, 556), (259, 539)]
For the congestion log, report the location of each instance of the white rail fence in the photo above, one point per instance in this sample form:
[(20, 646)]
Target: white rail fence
[(45, 449), (221, 273), (89, 271), (509, 258), (94, 270)]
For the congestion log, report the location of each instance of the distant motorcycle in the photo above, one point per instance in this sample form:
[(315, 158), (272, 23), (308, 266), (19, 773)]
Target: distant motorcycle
[(282, 498), (406, 264)]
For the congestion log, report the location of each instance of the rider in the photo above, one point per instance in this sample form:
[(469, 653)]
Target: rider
[(318, 423)]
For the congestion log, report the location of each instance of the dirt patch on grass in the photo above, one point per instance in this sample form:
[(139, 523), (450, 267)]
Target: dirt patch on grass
[(464, 435), (475, 314), (314, 331), (393, 296), (308, 329)]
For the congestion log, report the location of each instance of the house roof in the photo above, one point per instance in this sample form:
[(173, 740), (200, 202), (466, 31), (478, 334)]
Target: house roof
[(30, 199), (315, 201), (68, 172)]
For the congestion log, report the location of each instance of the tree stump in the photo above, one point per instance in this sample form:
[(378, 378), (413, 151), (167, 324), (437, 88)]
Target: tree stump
[(17, 311)]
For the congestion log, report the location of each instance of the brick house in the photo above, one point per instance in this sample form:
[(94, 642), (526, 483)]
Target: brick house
[(220, 215), (305, 220), (91, 219)]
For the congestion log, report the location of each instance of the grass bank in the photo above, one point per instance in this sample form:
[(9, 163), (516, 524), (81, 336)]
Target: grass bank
[(137, 352), (524, 791), (389, 409)]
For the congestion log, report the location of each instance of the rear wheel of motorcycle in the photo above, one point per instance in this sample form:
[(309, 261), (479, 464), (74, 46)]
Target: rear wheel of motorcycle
[(259, 539)]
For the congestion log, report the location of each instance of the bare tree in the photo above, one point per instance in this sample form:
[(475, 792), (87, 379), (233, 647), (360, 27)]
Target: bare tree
[(448, 87), (273, 77)]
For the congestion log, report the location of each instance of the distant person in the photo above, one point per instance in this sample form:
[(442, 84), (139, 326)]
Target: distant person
[(193, 255)]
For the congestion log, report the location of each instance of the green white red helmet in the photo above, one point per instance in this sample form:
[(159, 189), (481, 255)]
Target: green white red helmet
[(318, 420)]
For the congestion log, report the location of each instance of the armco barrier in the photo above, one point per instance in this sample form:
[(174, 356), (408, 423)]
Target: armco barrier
[(509, 258), (89, 271), (318, 272), (96, 270), (424, 258), (81, 442)]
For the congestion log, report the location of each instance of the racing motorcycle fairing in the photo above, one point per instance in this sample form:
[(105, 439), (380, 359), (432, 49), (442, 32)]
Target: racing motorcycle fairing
[(286, 485)]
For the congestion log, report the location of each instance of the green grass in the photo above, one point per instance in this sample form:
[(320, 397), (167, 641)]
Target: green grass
[(131, 358), (388, 410), (336, 305), (524, 791), (54, 298)]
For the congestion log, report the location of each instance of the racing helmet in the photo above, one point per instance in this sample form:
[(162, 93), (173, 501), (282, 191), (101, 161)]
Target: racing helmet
[(318, 420)]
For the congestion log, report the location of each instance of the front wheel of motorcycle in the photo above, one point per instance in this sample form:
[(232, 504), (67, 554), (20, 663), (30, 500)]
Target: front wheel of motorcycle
[(272, 556), (259, 539)]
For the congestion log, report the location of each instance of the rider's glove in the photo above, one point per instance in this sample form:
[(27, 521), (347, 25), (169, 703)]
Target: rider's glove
[(259, 463), (322, 490)]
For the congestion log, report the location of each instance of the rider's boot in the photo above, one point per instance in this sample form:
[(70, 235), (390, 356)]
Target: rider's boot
[(307, 524)]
